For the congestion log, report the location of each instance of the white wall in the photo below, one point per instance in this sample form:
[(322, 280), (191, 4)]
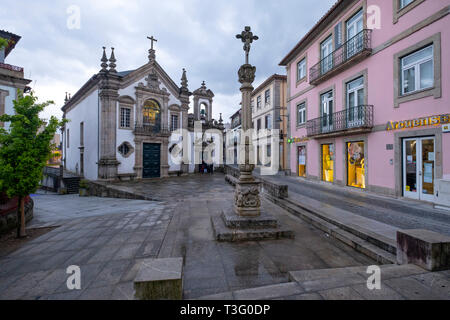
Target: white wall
[(85, 111), (9, 106)]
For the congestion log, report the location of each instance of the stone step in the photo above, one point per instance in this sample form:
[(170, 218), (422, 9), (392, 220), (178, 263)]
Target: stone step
[(356, 239), (385, 243), (317, 284), (264, 220), (325, 279), (223, 233)]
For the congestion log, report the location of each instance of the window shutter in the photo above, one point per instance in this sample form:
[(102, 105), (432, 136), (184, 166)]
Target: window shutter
[(338, 35)]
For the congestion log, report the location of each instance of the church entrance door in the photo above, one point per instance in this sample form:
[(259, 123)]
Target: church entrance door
[(151, 160)]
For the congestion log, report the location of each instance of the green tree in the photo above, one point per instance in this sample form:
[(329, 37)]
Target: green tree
[(24, 150), (3, 43)]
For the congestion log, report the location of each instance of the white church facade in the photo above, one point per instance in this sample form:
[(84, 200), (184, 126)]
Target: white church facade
[(123, 125)]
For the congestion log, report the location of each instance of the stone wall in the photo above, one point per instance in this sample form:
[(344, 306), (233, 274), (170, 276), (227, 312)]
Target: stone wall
[(8, 213), (272, 188), (99, 189)]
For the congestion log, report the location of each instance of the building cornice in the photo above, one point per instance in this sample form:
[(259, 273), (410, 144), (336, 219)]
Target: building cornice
[(269, 81)]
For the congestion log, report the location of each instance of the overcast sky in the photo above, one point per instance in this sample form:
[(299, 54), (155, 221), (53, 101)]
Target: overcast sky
[(198, 35)]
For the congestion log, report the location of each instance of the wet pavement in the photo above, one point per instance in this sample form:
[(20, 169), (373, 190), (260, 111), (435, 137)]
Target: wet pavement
[(109, 247)]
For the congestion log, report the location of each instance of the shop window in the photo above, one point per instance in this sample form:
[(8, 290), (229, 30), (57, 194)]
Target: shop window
[(327, 162), (356, 175), (302, 161)]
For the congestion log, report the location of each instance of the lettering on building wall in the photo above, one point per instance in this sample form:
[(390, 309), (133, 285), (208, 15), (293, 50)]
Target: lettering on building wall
[(420, 122)]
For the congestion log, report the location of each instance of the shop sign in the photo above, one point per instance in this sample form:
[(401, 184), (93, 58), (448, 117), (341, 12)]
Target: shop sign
[(297, 140), (418, 122), (446, 128)]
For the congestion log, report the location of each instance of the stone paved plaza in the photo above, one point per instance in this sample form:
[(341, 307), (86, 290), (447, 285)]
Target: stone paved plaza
[(109, 247)]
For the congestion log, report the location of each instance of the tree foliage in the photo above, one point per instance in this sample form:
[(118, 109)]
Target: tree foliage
[(3, 43), (26, 147)]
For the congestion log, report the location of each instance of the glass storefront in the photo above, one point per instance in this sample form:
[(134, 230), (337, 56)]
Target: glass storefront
[(327, 162), (356, 175), (419, 168), (301, 152)]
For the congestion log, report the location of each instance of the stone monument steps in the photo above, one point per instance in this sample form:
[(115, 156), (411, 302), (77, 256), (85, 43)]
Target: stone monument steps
[(375, 246), (333, 283)]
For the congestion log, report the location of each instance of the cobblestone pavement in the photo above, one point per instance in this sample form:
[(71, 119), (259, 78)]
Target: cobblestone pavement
[(109, 248), (401, 213)]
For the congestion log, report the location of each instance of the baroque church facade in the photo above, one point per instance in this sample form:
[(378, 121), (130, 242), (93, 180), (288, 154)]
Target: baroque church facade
[(123, 125)]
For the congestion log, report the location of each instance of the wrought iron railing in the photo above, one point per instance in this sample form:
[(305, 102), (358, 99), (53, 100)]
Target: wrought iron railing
[(351, 118), (359, 43), (151, 129), (10, 67)]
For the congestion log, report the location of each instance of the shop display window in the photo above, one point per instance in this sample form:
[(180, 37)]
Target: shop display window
[(356, 175)]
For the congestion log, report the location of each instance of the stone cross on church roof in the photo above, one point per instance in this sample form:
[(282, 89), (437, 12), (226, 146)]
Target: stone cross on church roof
[(152, 39), (151, 52)]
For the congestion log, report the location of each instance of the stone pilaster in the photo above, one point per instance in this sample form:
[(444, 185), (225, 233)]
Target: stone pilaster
[(108, 164)]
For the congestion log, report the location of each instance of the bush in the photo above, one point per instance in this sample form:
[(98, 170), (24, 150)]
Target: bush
[(84, 184)]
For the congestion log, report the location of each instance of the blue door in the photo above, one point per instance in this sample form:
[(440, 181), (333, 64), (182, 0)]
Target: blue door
[(151, 161)]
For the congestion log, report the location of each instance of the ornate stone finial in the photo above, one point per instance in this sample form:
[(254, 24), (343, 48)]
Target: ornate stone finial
[(220, 119), (66, 99), (247, 38), (104, 61), (151, 52), (184, 82), (203, 84), (112, 62)]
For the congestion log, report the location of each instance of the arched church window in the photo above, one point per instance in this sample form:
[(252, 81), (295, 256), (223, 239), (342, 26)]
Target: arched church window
[(203, 109), (151, 113)]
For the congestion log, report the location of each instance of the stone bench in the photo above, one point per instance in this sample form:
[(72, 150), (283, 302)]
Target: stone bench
[(126, 176), (275, 189), (427, 249), (160, 279)]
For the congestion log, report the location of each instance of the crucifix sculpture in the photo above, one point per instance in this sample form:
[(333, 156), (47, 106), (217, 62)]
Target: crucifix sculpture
[(152, 39), (247, 38)]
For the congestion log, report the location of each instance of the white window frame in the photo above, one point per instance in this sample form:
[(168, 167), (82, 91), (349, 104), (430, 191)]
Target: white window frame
[(267, 96), (303, 113), (172, 116), (123, 117), (416, 65), (301, 69), (258, 102)]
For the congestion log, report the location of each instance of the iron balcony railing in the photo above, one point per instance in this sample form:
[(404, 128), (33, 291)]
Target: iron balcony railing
[(362, 42), (359, 117), (151, 129)]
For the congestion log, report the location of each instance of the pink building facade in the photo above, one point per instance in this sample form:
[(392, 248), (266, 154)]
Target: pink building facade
[(369, 100)]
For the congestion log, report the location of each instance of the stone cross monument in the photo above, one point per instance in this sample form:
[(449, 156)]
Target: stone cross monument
[(245, 221), (246, 202)]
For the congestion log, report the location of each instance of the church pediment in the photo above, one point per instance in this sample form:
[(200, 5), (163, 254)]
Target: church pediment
[(142, 74)]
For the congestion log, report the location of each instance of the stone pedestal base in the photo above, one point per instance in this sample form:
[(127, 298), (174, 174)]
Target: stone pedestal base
[(246, 198), (232, 228)]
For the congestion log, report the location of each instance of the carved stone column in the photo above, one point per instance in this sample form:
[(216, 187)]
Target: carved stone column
[(164, 158), (138, 157), (246, 198), (108, 164), (196, 109)]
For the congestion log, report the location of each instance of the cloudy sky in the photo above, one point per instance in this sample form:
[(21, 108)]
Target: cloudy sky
[(198, 35)]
